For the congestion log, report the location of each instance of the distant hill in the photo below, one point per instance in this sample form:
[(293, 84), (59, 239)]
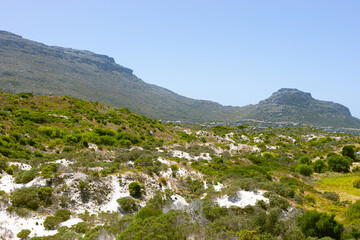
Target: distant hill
[(294, 106), (28, 66)]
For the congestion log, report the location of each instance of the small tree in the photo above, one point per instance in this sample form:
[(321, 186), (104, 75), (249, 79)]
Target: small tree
[(135, 189), (348, 151), (320, 166), (339, 163)]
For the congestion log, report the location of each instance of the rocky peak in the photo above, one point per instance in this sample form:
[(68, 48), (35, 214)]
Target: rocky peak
[(288, 96)]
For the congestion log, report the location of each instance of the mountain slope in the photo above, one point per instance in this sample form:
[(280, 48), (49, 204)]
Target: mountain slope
[(28, 66), (34, 67), (294, 106)]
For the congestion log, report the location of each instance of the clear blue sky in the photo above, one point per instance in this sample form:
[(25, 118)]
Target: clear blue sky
[(231, 52)]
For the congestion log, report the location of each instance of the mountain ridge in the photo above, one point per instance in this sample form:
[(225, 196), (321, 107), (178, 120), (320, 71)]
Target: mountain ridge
[(28, 66)]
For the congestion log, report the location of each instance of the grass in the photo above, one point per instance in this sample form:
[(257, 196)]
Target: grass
[(342, 184)]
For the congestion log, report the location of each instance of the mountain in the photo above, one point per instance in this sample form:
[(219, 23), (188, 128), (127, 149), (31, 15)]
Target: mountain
[(28, 66), (294, 106)]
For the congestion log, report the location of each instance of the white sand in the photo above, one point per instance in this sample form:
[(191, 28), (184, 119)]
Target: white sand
[(242, 199)]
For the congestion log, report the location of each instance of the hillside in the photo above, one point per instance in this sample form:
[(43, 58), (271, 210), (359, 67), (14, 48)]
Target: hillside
[(76, 169), (28, 66), (294, 106)]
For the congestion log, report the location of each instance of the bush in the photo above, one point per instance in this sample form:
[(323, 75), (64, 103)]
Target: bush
[(135, 189), (356, 183), (356, 169), (215, 212), (23, 234), (26, 176), (305, 160), (277, 201), (127, 204), (320, 166), (339, 163), (45, 194), (333, 196), (305, 170), (51, 222), (81, 227), (9, 170), (26, 197), (63, 215), (353, 212), (146, 212), (348, 151), (165, 226), (315, 224), (281, 189), (68, 149), (107, 140)]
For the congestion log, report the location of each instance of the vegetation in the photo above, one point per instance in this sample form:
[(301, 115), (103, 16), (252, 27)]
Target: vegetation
[(173, 180), (315, 224)]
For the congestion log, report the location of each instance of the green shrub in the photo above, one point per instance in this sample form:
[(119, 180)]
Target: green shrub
[(281, 189), (104, 131), (333, 196), (305, 160), (356, 169), (356, 183), (68, 149), (45, 194), (38, 154), (51, 222), (174, 168), (47, 171), (135, 189), (81, 227), (339, 163), (107, 140), (146, 212), (23, 234), (315, 224), (353, 212), (212, 213), (63, 215), (2, 165), (83, 184), (26, 176), (320, 166), (9, 170), (348, 151), (165, 226), (305, 170), (26, 197), (127, 204), (277, 201)]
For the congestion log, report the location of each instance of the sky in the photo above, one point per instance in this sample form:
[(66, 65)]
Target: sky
[(233, 52)]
